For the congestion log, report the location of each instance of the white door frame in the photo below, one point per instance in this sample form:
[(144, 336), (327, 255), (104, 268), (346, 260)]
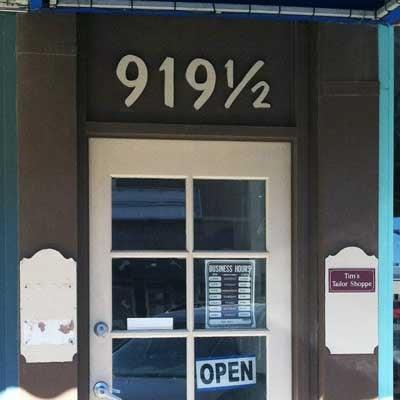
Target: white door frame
[(200, 159)]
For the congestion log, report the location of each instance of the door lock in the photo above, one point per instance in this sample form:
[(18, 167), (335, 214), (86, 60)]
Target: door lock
[(102, 391), (101, 329)]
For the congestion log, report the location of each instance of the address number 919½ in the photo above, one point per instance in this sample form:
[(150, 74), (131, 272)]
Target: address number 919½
[(206, 87)]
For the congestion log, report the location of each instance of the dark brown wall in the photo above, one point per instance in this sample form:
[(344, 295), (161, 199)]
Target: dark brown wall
[(46, 104), (216, 40), (332, 122)]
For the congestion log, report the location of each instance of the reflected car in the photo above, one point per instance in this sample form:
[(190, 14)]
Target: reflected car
[(155, 369), (179, 316)]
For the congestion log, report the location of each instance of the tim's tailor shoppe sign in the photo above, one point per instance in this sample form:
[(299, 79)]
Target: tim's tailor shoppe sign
[(351, 301), (351, 280)]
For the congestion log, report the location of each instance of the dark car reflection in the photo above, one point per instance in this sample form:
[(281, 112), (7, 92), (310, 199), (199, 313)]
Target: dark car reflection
[(155, 369), (179, 316), (149, 369)]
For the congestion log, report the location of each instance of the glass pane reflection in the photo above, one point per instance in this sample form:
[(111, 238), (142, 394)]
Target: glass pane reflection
[(229, 215), (150, 369), (259, 295), (143, 288), (230, 349), (148, 214)]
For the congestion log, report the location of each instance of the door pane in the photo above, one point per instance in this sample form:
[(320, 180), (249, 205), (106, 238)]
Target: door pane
[(149, 369), (228, 294), (149, 288), (148, 214), (229, 214), (230, 368)]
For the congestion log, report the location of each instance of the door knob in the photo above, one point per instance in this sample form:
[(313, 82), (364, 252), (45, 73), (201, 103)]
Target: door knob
[(102, 391)]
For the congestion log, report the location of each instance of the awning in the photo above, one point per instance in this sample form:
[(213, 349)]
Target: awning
[(342, 11)]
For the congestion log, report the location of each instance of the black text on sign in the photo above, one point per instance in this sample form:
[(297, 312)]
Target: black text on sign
[(216, 374)]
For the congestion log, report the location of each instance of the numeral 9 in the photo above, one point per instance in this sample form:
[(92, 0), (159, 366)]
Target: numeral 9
[(138, 84), (208, 86)]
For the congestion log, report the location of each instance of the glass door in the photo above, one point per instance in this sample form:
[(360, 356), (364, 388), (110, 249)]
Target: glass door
[(190, 260)]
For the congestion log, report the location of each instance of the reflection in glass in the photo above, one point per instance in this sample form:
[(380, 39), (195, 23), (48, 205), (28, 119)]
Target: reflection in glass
[(229, 214), (148, 288), (150, 369), (148, 214), (259, 294), (233, 348)]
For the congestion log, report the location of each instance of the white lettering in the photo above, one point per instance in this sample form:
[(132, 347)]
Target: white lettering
[(206, 86)]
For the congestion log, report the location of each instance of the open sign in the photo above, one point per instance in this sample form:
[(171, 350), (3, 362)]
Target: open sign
[(222, 373)]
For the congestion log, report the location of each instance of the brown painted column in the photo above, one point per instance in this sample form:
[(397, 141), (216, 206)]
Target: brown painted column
[(347, 141), (46, 103)]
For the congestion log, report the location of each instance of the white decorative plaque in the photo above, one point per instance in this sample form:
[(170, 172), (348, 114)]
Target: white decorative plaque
[(351, 302), (48, 307)]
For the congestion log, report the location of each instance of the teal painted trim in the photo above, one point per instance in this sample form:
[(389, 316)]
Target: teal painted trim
[(386, 165), (9, 331)]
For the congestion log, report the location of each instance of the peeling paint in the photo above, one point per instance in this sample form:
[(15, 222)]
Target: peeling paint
[(42, 326), (66, 328), (48, 332), (48, 307)]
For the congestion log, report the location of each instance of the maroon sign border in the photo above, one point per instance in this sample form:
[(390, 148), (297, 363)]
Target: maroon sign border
[(373, 290)]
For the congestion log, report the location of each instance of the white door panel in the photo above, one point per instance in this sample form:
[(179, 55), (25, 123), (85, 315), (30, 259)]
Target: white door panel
[(194, 163)]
